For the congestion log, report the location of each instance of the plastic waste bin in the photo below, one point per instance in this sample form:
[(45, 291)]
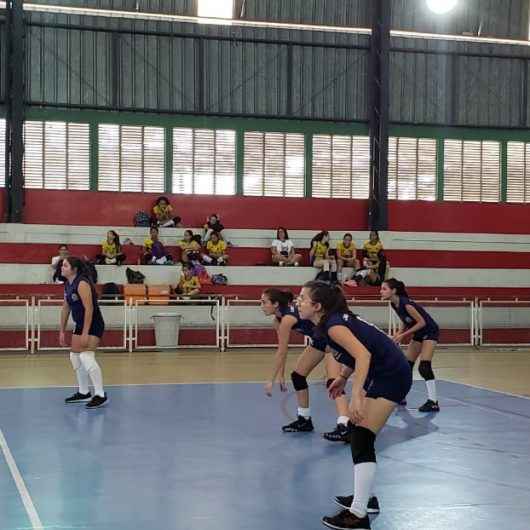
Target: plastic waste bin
[(167, 329)]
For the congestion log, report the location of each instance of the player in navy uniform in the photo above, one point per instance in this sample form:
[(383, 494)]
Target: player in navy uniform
[(381, 379), (81, 301), (280, 304), (424, 332)]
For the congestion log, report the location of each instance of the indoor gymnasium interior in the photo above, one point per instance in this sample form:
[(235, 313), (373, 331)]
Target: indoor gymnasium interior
[(264, 264)]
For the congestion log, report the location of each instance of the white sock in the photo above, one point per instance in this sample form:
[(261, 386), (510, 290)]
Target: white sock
[(80, 372), (363, 480), (343, 420), (305, 413), (431, 390), (90, 364)]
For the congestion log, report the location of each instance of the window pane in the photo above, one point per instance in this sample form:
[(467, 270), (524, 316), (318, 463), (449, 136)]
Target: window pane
[(274, 164), (341, 166)]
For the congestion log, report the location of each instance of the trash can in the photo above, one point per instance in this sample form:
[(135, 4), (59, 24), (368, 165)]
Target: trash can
[(167, 328)]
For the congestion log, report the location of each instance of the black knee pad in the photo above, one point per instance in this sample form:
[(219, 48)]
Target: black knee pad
[(299, 381), (425, 370), (362, 445)]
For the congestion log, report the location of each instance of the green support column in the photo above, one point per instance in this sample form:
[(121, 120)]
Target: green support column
[(308, 170), (93, 142), (240, 160), (504, 171), (440, 153), (168, 166)]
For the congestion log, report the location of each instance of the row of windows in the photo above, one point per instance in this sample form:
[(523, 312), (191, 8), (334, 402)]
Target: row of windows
[(133, 158)]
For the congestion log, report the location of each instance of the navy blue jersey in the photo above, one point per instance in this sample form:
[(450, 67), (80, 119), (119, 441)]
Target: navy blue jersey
[(305, 327), (386, 356), (71, 295), (408, 321)]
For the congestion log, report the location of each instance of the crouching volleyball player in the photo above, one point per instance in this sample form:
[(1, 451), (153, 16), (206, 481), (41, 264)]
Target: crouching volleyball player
[(381, 379), (80, 300), (424, 332), (280, 304)]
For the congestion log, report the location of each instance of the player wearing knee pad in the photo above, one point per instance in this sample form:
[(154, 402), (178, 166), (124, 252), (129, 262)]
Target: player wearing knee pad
[(80, 300), (418, 325)]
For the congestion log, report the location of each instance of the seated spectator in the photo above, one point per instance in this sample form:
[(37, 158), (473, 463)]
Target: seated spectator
[(216, 249), (373, 250), (154, 251), (163, 214), (189, 284), (321, 257), (213, 224), (57, 262), (111, 251), (346, 255), (365, 275), (190, 247), (282, 249)]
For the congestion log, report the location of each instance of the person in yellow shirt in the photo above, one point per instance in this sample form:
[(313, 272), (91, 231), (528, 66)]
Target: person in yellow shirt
[(163, 214), (321, 258), (111, 252), (373, 250), (189, 284), (346, 255), (190, 249), (216, 249), (154, 252)]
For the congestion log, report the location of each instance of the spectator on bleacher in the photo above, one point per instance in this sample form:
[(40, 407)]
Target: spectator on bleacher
[(190, 248), (321, 257), (163, 214), (189, 284), (154, 251), (366, 274), (282, 249), (213, 224), (111, 251), (57, 262), (216, 251), (346, 255), (373, 250)]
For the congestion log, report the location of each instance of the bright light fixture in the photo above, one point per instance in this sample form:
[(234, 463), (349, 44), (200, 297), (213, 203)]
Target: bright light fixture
[(440, 7), (216, 9)]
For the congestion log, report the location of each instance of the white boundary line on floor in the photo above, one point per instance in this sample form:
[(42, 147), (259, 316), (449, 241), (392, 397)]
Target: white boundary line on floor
[(255, 382), (34, 518), (484, 388)]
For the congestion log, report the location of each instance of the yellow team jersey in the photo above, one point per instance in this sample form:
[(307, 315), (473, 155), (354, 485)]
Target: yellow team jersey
[(109, 249), (373, 249), (344, 251), (186, 286), (216, 249), (320, 250), (162, 211), (192, 245), (148, 244)]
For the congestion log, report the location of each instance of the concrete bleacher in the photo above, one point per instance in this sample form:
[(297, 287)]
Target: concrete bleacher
[(419, 259)]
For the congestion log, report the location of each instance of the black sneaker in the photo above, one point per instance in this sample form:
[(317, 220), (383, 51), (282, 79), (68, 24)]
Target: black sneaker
[(97, 401), (340, 434), (300, 425), (346, 520), (346, 502), (430, 406), (78, 398)]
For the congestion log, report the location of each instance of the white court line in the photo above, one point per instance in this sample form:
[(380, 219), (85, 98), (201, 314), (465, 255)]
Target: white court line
[(485, 388), (34, 518)]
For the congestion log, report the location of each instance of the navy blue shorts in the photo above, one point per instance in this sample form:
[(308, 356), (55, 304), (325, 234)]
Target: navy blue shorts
[(97, 328), (319, 344), (393, 387), (427, 334)]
